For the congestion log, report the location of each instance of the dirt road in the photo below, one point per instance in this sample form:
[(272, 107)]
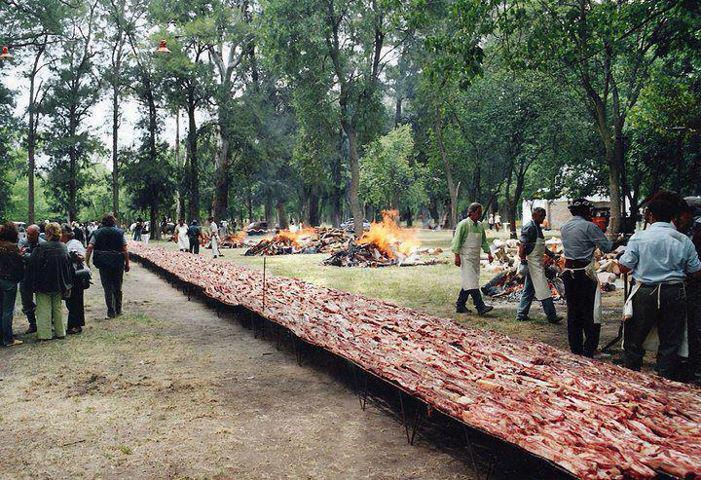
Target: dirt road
[(171, 391)]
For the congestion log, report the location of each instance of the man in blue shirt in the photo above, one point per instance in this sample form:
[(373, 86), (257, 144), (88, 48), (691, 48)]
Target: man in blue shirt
[(660, 259), (580, 238)]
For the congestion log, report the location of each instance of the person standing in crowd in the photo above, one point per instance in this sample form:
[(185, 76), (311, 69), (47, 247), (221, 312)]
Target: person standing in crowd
[(50, 275), (109, 248), (78, 233), (470, 237), (214, 237), (580, 237), (660, 258), (11, 273), (193, 235), (138, 229), (686, 224), (181, 230), (531, 250), (76, 303), (146, 233), (26, 248)]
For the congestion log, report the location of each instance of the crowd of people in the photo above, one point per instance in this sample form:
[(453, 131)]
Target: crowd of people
[(50, 266), (187, 236), (663, 311)]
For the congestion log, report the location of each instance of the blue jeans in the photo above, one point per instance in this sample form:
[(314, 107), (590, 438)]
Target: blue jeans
[(8, 295), (527, 297)]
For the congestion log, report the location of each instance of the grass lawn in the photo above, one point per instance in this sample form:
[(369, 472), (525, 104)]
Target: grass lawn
[(430, 288)]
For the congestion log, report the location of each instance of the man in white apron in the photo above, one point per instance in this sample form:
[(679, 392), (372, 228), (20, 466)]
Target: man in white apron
[(531, 250), (214, 232), (181, 232), (580, 237), (660, 259), (469, 241)]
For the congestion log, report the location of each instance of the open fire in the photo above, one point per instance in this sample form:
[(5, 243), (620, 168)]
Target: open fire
[(385, 244)]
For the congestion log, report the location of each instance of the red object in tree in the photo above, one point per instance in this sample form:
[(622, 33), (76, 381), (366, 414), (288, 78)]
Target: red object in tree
[(6, 55), (162, 47)]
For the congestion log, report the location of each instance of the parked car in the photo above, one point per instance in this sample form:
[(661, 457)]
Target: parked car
[(349, 225)]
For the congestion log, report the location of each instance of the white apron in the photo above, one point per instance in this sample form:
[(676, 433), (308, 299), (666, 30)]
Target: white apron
[(183, 241), (652, 341), (470, 261), (536, 269)]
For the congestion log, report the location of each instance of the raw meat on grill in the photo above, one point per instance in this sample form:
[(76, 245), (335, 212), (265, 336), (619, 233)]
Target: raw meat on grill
[(593, 419)]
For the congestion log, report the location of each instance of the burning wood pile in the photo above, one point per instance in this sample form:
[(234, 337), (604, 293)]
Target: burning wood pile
[(384, 245), (306, 240), (593, 419), (234, 240)]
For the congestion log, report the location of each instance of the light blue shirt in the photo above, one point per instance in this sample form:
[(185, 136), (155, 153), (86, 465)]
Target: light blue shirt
[(660, 254), (581, 237)]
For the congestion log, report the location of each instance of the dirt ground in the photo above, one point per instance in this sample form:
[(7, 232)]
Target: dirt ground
[(171, 391)]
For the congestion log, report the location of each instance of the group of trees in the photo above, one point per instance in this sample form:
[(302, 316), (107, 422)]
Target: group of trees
[(322, 109)]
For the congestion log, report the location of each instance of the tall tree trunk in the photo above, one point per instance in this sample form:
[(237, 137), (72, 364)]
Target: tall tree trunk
[(398, 111), (221, 176), (249, 203), (32, 132), (452, 188), (354, 198), (268, 209), (282, 215), (115, 149), (194, 209), (180, 191), (314, 209), (433, 211)]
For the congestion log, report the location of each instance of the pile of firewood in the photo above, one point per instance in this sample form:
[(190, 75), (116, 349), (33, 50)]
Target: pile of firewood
[(369, 256), (317, 240)]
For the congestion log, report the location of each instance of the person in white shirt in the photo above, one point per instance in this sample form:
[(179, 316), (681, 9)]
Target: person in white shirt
[(183, 241), (214, 232)]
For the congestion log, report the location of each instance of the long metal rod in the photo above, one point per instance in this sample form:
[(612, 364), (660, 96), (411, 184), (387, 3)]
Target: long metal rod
[(264, 282)]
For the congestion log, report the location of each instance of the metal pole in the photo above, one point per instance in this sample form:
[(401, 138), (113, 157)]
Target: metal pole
[(264, 283)]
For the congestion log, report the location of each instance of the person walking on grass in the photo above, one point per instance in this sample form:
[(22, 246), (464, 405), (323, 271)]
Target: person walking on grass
[(11, 272), (214, 232), (50, 276), (469, 239), (109, 249), (531, 251)]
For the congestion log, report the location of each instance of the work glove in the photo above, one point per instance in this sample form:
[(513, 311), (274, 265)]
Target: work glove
[(522, 268)]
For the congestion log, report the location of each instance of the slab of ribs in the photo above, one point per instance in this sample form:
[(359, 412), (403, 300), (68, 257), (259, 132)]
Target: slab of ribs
[(595, 420)]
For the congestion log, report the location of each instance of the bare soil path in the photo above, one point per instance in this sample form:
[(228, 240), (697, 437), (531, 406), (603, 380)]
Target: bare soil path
[(171, 391)]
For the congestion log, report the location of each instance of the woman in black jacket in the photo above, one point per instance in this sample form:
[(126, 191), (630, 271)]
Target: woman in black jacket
[(50, 276), (11, 273)]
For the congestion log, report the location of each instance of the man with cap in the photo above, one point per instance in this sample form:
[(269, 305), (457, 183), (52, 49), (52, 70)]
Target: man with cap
[(468, 242), (580, 237), (660, 259), (531, 251)]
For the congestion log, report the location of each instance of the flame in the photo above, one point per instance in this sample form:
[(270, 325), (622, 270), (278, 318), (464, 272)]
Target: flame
[(295, 239), (389, 238)]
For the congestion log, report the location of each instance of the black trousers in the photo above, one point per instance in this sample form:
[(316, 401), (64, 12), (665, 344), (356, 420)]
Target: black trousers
[(28, 306), (693, 322), (194, 245), (476, 298), (76, 308), (664, 307), (111, 280), (582, 333)]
